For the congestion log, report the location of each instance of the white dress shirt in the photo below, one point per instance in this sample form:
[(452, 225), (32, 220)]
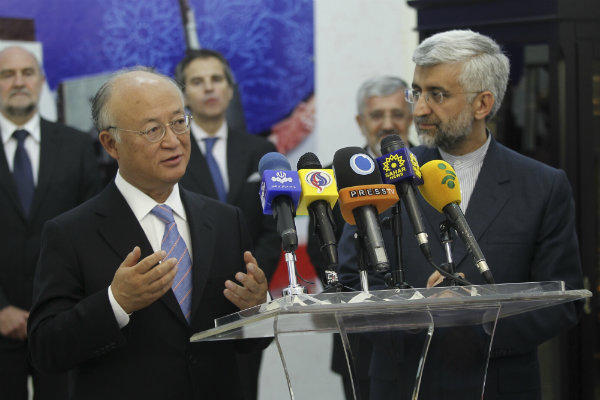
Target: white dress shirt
[(141, 204), (467, 169), (219, 149), (32, 142)]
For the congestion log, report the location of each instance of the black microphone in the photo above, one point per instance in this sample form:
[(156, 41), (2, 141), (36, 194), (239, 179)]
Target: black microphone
[(362, 197), (319, 195), (400, 167)]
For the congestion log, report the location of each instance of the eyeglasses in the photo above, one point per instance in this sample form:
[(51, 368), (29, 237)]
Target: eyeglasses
[(157, 132), (412, 96)]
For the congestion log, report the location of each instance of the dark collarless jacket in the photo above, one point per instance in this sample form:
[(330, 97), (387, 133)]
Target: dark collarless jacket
[(72, 325), (68, 175), (244, 151), (523, 216)]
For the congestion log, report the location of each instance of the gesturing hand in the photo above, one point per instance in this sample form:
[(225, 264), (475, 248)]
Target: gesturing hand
[(254, 285), (136, 285)]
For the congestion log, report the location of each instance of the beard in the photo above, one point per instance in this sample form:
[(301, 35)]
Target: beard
[(21, 111), (376, 146), (448, 135)]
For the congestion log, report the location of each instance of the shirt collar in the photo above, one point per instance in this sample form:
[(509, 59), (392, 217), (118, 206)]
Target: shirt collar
[(200, 133), (7, 127), (141, 204), (469, 159)]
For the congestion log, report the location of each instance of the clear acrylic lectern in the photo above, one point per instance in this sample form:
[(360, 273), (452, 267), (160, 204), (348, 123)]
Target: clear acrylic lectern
[(452, 325)]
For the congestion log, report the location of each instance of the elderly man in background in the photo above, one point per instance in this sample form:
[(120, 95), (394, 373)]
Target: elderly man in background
[(45, 169), (381, 110)]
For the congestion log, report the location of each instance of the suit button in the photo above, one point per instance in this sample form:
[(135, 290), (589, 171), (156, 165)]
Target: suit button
[(192, 359)]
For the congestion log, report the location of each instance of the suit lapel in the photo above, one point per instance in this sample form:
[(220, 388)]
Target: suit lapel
[(7, 182), (122, 232), (50, 147), (488, 198), (198, 171), (201, 227), (237, 165)]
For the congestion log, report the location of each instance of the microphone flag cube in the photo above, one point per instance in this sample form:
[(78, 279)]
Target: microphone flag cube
[(317, 184), (277, 183), (398, 166)]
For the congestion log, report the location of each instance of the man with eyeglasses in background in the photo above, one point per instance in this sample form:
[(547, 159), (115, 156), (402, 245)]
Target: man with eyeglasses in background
[(46, 169), (381, 110), (520, 210), (224, 165), (125, 279)]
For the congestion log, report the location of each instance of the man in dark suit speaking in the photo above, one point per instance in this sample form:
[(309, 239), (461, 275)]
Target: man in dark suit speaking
[(127, 277), (45, 169)]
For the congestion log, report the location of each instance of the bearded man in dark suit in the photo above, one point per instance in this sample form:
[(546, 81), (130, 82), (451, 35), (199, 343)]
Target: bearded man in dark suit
[(520, 210), (45, 169), (126, 278)]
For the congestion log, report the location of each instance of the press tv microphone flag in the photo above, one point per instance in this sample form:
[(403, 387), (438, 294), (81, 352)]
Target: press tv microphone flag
[(319, 195), (400, 167), (441, 190), (279, 194), (362, 197)]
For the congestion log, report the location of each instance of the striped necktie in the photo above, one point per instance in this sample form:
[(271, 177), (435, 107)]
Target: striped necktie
[(174, 245)]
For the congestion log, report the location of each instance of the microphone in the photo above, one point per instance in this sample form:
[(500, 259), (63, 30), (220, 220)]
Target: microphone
[(441, 190), (400, 167), (279, 194), (362, 197), (319, 195)]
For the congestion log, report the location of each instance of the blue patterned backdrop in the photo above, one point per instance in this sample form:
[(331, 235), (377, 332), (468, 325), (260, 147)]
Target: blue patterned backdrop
[(269, 43)]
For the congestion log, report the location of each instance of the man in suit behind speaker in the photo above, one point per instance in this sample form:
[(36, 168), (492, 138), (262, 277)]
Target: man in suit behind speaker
[(126, 278), (45, 169), (224, 163)]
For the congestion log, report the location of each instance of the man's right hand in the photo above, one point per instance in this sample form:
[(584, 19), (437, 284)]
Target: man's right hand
[(13, 322), (136, 285)]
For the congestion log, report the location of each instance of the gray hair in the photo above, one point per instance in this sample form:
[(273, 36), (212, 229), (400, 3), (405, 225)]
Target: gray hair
[(100, 113), (379, 86), (485, 66)]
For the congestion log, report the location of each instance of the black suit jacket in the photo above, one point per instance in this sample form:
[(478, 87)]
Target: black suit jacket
[(72, 325), (244, 151), (523, 216), (68, 175)]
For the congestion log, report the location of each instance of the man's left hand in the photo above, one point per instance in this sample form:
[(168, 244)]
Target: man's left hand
[(436, 278), (254, 285)]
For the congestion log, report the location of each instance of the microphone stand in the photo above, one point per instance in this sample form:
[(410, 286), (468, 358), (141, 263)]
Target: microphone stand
[(362, 264), (294, 288), (446, 229), (397, 277)]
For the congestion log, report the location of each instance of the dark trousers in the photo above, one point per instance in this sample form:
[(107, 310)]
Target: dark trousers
[(249, 369), (15, 368)]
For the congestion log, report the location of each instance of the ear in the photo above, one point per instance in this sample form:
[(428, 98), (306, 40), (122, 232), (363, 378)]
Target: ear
[(109, 143), (359, 120), (482, 105)]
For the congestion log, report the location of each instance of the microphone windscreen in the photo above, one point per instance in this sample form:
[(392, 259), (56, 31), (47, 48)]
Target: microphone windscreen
[(273, 161), (440, 185), (391, 143), (309, 161), (354, 167)]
